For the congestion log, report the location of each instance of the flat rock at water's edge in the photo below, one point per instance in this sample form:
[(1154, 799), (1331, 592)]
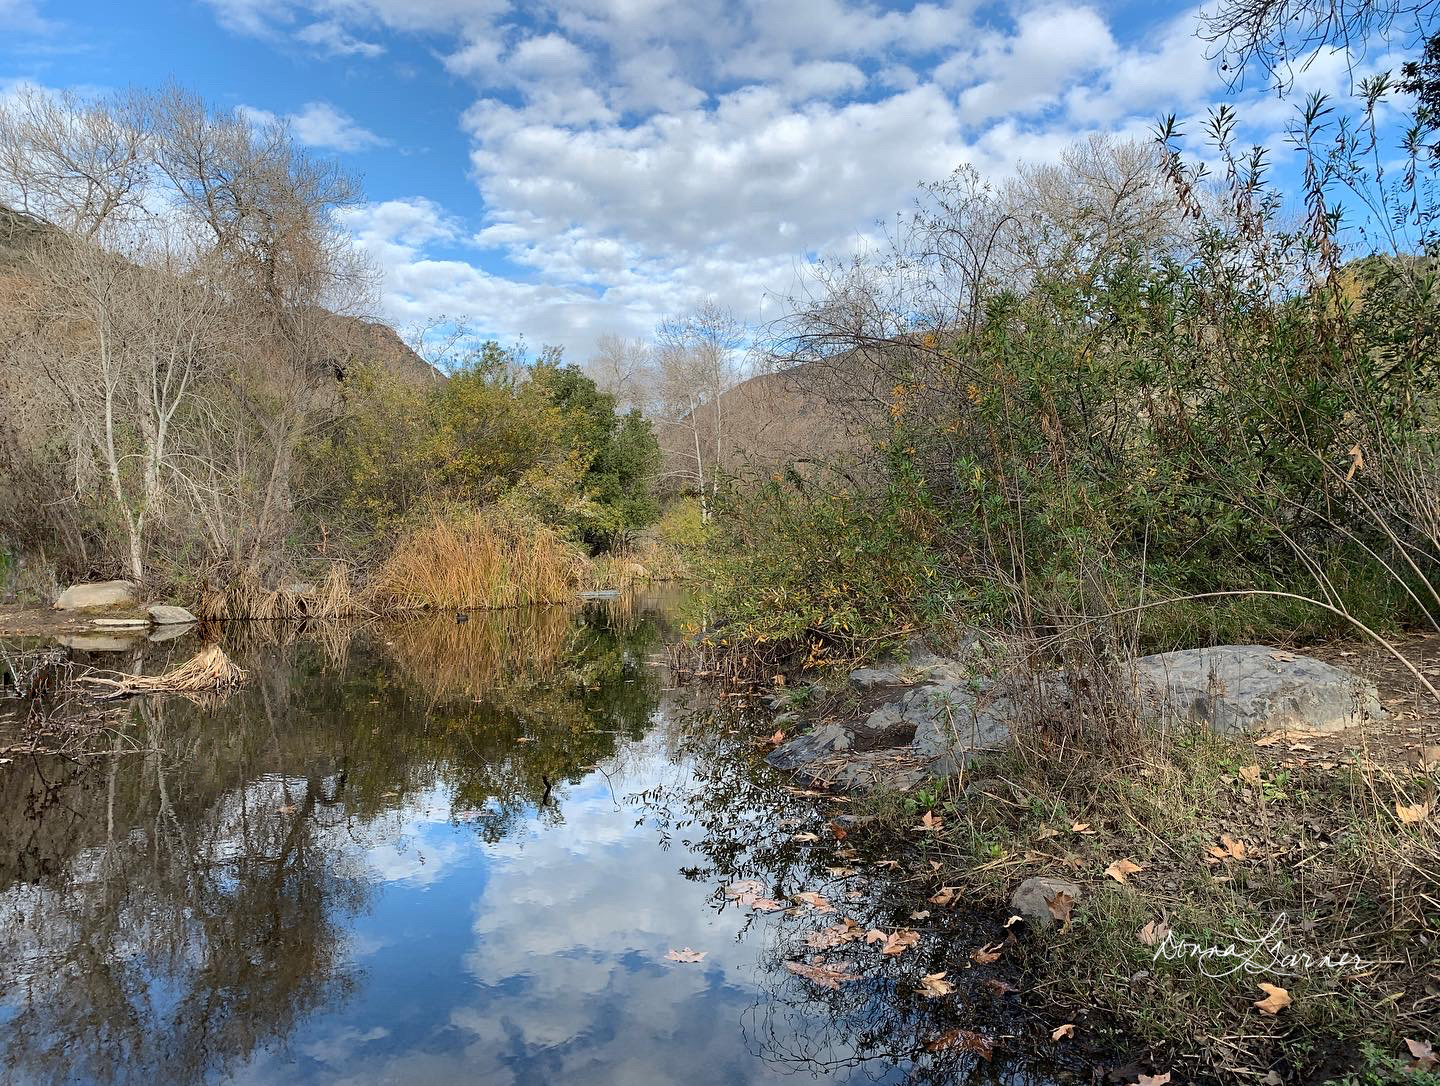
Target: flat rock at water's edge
[(810, 747), (97, 595), (164, 614)]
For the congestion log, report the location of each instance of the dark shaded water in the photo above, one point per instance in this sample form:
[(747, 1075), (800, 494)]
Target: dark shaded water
[(431, 852)]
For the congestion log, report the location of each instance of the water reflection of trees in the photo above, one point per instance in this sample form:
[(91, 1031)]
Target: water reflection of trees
[(742, 821), (166, 912)]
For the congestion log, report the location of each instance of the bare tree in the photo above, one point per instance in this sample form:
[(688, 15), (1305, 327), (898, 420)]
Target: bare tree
[(81, 166), (698, 359), (190, 309), (625, 368), (1277, 34), (127, 340)]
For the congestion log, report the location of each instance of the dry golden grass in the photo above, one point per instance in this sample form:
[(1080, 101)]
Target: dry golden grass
[(485, 559), (644, 562), (244, 597)]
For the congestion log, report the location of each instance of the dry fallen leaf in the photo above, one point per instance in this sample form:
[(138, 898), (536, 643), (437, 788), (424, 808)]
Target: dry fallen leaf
[(965, 1039), (1060, 904), (751, 894), (1121, 870), (900, 941), (986, 954), (288, 808), (1233, 845), (1080, 827), (1250, 774), (804, 837), (929, 821), (1275, 1001), (1153, 1080), (920, 914), (945, 895), (686, 955), (815, 901), (840, 872), (846, 931), (825, 974), (1060, 1032), (1415, 812), (933, 985), (776, 739), (997, 987), (1424, 1053), (1153, 933), (1012, 921)]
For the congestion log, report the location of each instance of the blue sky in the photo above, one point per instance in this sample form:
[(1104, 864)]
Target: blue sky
[(559, 171)]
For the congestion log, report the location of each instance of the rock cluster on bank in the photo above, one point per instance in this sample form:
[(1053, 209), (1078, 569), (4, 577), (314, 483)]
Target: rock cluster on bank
[(935, 716)]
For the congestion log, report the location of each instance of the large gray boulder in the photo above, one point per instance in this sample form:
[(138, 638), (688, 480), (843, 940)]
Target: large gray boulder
[(96, 596), (954, 723), (1252, 688)]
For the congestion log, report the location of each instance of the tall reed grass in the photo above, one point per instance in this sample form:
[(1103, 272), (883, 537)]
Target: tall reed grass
[(477, 560)]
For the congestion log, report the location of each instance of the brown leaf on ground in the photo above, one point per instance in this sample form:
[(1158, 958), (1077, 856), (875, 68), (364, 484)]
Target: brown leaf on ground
[(965, 1040), (1153, 1080), (804, 837), (825, 974), (840, 872), (817, 902), (1121, 870), (929, 821), (933, 985), (986, 954), (1153, 933), (776, 739), (1229, 848), (1081, 827), (1276, 999), (1250, 774), (1429, 757), (686, 955), (1012, 921), (839, 831), (1060, 904), (1424, 1053), (997, 987), (945, 895), (1415, 812), (1061, 1032), (920, 914)]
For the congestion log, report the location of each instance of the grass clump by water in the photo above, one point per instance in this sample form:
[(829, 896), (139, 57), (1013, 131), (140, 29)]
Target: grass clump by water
[(478, 559)]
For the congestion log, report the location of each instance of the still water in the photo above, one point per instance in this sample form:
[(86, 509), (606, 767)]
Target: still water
[(435, 852)]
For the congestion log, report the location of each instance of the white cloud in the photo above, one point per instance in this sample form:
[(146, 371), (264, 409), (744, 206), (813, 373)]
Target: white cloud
[(320, 125), (21, 15), (330, 37), (632, 157)]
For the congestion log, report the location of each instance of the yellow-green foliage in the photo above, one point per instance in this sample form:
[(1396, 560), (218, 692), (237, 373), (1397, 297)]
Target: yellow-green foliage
[(683, 525), (491, 557)]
